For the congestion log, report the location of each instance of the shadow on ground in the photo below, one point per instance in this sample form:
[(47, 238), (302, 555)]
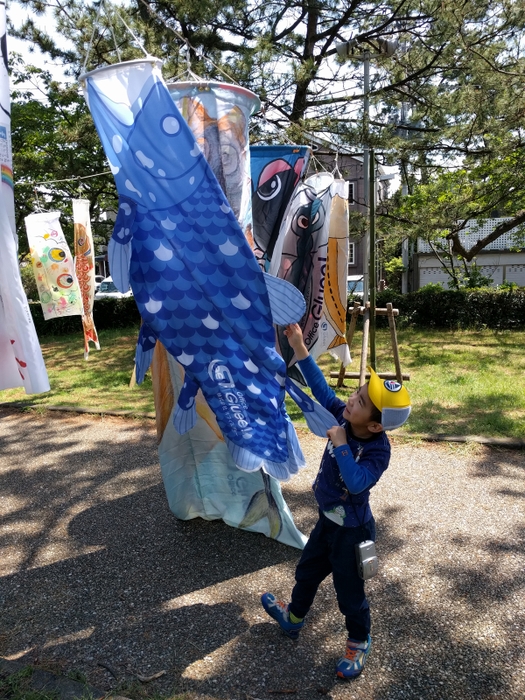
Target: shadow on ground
[(100, 578)]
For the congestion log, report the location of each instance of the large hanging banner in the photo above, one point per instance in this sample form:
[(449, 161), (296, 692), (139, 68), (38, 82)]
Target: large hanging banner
[(300, 257), (21, 361), (200, 476), (53, 266), (275, 172), (195, 279), (85, 270), (332, 325), (6, 156), (218, 115)]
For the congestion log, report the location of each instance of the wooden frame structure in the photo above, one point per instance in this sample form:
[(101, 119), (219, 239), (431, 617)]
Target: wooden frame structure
[(363, 375)]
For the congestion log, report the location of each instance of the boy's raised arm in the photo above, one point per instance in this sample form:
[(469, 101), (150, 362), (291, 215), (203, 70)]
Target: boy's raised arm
[(311, 372), (295, 337)]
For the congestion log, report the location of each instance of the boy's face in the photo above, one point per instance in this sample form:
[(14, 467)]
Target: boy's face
[(358, 412)]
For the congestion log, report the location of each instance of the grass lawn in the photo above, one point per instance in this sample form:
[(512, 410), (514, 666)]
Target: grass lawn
[(461, 382), (100, 383)]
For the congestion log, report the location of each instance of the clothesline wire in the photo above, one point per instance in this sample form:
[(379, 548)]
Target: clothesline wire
[(69, 179)]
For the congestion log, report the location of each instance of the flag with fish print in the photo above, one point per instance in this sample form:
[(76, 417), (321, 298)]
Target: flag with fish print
[(21, 361), (85, 270), (332, 324), (53, 265), (275, 173), (300, 257), (199, 473), (194, 277), (218, 115)]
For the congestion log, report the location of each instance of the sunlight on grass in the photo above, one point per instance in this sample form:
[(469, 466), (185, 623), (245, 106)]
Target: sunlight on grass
[(461, 382), (100, 383)]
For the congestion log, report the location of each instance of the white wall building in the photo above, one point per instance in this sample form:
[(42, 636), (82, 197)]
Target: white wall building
[(496, 261)]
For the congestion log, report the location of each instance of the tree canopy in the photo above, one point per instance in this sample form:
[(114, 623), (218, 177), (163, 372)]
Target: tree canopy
[(57, 154), (447, 106)]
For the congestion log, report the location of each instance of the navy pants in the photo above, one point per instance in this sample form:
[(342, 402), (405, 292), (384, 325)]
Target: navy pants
[(331, 550)]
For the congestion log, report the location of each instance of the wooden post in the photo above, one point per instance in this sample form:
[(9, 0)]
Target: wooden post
[(349, 337), (393, 336), (364, 347)]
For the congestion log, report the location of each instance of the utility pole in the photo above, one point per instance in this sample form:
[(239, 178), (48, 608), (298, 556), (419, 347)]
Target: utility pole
[(372, 260), (366, 169), (353, 50), (404, 191)]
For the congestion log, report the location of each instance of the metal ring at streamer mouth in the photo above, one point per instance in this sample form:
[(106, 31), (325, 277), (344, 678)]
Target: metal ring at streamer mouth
[(114, 66), (192, 88)]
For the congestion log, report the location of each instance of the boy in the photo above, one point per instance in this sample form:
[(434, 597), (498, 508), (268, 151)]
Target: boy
[(356, 455)]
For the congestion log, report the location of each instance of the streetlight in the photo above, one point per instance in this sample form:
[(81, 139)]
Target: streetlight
[(354, 50)]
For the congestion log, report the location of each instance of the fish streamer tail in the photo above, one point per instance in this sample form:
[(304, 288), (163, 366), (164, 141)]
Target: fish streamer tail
[(90, 333), (262, 505), (334, 309)]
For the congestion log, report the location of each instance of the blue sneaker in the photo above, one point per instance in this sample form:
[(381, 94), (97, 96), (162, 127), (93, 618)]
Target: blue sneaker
[(353, 662), (279, 611)]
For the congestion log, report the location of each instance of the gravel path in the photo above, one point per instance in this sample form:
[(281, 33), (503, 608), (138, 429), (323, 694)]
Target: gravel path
[(98, 577)]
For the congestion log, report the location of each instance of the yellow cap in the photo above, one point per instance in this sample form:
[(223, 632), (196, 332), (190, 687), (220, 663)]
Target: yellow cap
[(391, 398)]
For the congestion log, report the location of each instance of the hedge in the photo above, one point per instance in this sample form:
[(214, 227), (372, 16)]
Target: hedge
[(107, 313), (478, 308), (475, 309)]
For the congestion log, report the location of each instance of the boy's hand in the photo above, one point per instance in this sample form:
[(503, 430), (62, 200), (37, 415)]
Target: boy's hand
[(295, 337), (337, 435)]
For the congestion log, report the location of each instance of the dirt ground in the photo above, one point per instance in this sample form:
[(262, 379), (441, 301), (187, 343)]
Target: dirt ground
[(99, 580)]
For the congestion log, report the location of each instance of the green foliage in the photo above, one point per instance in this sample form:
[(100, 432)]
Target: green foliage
[(473, 278), (435, 307), (508, 286), (107, 314), (55, 139), (455, 81), (393, 272), (431, 288), (28, 281)]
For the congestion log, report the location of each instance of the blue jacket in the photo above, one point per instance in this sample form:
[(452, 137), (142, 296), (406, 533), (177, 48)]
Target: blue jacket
[(348, 472)]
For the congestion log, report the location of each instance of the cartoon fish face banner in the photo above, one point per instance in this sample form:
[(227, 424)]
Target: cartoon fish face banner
[(21, 361), (218, 115), (195, 279), (53, 266), (275, 172), (200, 476), (332, 325), (85, 270), (300, 255)]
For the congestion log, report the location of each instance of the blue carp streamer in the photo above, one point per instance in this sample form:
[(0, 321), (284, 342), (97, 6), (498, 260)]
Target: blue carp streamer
[(194, 277)]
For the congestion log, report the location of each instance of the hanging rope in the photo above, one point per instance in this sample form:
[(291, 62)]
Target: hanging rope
[(139, 44), (187, 43), (115, 41), (95, 25)]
